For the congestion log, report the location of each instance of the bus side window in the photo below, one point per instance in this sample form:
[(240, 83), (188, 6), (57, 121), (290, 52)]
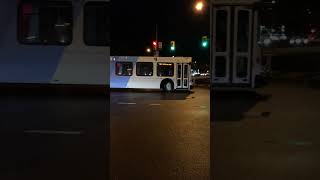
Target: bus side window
[(97, 24), (144, 68), (47, 23), (124, 68), (165, 69)]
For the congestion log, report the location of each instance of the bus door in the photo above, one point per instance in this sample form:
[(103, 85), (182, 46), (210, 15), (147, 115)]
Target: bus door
[(221, 45), (232, 29), (183, 75)]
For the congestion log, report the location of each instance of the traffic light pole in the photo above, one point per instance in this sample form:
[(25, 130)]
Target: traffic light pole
[(156, 52)]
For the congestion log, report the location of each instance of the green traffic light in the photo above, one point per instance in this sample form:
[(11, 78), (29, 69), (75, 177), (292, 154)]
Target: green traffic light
[(204, 44), (172, 48)]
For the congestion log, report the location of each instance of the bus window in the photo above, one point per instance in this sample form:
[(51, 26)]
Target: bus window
[(220, 66), (243, 31), (185, 71), (144, 69), (48, 23), (242, 67), (165, 69), (221, 31), (124, 68), (96, 24)]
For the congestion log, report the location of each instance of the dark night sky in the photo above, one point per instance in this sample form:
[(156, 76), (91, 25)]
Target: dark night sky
[(295, 14), (133, 27), (133, 24)]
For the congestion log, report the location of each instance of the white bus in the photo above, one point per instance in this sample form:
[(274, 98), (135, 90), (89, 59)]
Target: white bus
[(54, 42), (138, 72)]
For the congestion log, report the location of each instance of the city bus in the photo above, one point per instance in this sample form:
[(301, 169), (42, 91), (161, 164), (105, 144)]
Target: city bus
[(56, 42), (145, 72)]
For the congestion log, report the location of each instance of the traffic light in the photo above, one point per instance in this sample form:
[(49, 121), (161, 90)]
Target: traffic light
[(155, 45), (172, 46), (205, 41)]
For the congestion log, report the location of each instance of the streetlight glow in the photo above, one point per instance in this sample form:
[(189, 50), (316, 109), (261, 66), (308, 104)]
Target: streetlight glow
[(199, 6), (148, 50)]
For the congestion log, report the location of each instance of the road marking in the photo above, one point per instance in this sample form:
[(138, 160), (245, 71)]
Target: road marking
[(300, 143), (154, 104), (126, 103), (200, 106), (53, 132)]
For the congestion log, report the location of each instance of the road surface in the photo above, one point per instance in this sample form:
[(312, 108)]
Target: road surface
[(49, 137), (274, 136), (160, 136)]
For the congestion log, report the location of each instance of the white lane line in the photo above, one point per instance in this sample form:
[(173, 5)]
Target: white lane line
[(126, 103), (53, 132), (200, 106), (154, 104)]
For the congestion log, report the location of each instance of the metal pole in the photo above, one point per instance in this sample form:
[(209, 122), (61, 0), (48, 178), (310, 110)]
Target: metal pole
[(211, 42), (157, 32), (211, 63), (157, 48)]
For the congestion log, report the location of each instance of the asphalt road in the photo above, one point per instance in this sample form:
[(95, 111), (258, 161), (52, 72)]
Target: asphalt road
[(154, 136), (270, 135), (54, 137), (160, 136)]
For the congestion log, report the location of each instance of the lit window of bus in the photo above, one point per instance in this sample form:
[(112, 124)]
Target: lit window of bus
[(165, 69)]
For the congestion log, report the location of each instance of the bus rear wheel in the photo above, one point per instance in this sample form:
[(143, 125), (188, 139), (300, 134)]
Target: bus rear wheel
[(167, 86)]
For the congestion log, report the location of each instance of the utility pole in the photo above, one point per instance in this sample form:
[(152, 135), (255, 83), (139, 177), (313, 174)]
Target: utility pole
[(156, 53)]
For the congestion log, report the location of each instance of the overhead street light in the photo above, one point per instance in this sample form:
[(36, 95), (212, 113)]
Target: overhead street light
[(199, 5)]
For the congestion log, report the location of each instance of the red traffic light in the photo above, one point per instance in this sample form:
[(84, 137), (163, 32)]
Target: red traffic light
[(154, 43)]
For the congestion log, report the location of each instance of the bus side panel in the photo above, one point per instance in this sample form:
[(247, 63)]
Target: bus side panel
[(82, 67), (145, 82)]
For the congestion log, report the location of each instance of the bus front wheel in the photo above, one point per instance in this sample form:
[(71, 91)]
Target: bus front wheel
[(167, 86)]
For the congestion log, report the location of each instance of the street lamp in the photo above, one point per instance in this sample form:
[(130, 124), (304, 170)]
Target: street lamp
[(148, 50), (199, 5)]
